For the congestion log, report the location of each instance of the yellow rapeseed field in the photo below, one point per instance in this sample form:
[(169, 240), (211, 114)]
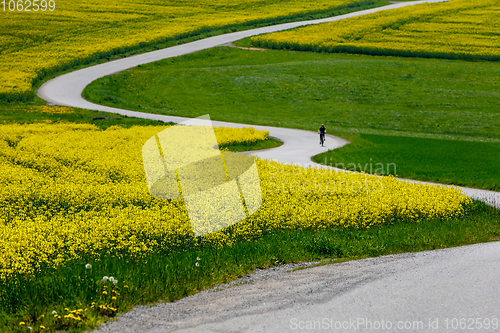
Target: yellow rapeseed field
[(461, 29), (37, 42), (73, 190)]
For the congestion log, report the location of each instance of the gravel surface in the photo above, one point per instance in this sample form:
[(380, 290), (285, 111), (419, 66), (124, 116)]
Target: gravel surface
[(410, 292)]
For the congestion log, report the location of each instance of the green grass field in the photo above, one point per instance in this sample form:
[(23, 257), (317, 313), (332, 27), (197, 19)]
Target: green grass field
[(462, 163), (375, 95), (452, 108)]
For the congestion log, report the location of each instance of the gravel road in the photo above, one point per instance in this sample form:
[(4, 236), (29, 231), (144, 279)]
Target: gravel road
[(412, 292)]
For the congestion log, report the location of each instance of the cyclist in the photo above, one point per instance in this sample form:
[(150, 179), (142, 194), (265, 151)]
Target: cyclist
[(322, 132)]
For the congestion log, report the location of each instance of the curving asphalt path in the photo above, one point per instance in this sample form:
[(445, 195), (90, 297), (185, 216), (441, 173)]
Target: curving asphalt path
[(433, 291)]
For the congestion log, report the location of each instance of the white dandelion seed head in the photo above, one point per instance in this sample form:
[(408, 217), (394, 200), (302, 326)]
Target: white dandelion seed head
[(88, 266), (105, 278), (54, 312), (198, 258), (197, 264)]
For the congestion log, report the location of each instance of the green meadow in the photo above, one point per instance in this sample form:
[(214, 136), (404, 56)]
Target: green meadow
[(437, 120)]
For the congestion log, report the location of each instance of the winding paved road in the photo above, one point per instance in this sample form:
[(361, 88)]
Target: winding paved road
[(433, 291)]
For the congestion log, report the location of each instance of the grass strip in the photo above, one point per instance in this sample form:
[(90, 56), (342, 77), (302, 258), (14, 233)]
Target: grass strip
[(32, 113), (257, 145)]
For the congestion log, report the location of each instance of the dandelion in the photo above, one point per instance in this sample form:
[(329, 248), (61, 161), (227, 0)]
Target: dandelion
[(113, 298), (42, 327), (22, 323), (54, 312), (105, 278), (104, 292), (197, 264), (88, 266), (198, 258)]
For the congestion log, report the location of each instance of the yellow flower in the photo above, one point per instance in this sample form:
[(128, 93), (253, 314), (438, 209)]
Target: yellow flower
[(439, 30)]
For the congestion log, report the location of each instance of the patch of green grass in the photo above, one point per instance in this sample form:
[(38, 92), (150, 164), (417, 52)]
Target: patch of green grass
[(244, 42), (462, 163), (25, 113), (257, 145), (171, 275)]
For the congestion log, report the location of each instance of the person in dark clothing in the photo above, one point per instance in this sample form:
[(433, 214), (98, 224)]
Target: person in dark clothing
[(322, 132)]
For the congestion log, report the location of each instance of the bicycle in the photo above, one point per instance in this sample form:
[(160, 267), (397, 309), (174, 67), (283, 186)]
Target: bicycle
[(322, 139)]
